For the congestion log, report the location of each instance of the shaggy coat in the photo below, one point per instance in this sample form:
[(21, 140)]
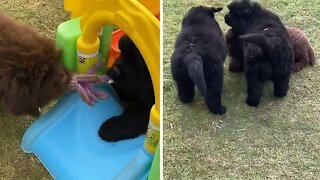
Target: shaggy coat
[(235, 52), (198, 57), (303, 51), (133, 84), (30, 72), (304, 54), (267, 52)]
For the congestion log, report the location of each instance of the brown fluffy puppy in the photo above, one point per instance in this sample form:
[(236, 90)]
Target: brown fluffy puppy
[(234, 52), (30, 72), (304, 53)]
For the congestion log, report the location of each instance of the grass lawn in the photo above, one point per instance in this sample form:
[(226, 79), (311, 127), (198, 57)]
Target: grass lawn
[(278, 140), (45, 16)]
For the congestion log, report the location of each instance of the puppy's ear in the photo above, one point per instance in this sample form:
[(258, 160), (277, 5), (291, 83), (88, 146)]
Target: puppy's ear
[(249, 2), (214, 10)]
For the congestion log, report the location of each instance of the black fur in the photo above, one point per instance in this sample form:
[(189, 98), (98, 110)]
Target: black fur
[(268, 54), (200, 51), (133, 84)]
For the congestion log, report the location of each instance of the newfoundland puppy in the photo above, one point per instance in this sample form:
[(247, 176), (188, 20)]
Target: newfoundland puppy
[(267, 52), (31, 74), (198, 57), (133, 84)]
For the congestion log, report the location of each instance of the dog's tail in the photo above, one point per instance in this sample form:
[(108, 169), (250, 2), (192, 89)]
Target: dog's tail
[(260, 40), (194, 64)]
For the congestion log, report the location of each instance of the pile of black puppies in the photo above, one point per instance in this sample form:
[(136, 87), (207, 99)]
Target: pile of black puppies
[(200, 51)]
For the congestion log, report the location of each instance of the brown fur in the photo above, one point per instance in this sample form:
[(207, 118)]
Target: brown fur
[(304, 54), (30, 72), (235, 52)]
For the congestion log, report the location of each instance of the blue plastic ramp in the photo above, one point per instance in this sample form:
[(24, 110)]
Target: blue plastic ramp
[(66, 141)]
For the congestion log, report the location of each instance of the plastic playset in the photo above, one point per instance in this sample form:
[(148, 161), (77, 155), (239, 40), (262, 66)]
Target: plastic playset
[(66, 139)]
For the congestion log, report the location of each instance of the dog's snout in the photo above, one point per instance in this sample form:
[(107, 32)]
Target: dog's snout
[(114, 72), (229, 6)]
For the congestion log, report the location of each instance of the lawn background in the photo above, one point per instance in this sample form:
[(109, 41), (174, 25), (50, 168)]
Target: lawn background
[(278, 140), (44, 16)]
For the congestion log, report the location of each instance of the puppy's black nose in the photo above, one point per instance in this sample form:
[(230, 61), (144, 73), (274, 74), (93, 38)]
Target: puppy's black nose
[(113, 72)]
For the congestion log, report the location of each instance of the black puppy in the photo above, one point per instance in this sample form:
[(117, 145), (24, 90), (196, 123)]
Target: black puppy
[(267, 52), (200, 51), (133, 84)]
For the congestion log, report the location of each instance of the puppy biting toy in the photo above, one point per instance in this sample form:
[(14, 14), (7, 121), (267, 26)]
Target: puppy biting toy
[(83, 83), (31, 74)]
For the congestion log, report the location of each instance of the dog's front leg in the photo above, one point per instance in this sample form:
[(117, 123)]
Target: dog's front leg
[(254, 89), (281, 85)]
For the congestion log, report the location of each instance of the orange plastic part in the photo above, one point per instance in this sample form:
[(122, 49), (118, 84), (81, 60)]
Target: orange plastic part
[(114, 51)]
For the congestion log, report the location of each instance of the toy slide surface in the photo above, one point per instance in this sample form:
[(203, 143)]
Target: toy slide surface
[(66, 141)]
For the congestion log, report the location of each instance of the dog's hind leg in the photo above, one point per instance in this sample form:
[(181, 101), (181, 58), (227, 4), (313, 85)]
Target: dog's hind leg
[(185, 85), (301, 60), (281, 85), (312, 58), (185, 89), (214, 81), (130, 124)]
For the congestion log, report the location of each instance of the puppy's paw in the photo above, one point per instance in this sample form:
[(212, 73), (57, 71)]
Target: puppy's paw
[(185, 99), (111, 131), (252, 102), (219, 111), (280, 94), (296, 67)]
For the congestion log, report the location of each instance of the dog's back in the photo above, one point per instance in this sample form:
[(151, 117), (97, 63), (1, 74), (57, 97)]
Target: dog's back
[(200, 34), (19, 38)]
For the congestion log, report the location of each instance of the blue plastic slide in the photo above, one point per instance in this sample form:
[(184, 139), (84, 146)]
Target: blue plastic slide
[(66, 141)]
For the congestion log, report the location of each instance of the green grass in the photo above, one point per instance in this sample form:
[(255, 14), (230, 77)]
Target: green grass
[(278, 140), (44, 16)]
